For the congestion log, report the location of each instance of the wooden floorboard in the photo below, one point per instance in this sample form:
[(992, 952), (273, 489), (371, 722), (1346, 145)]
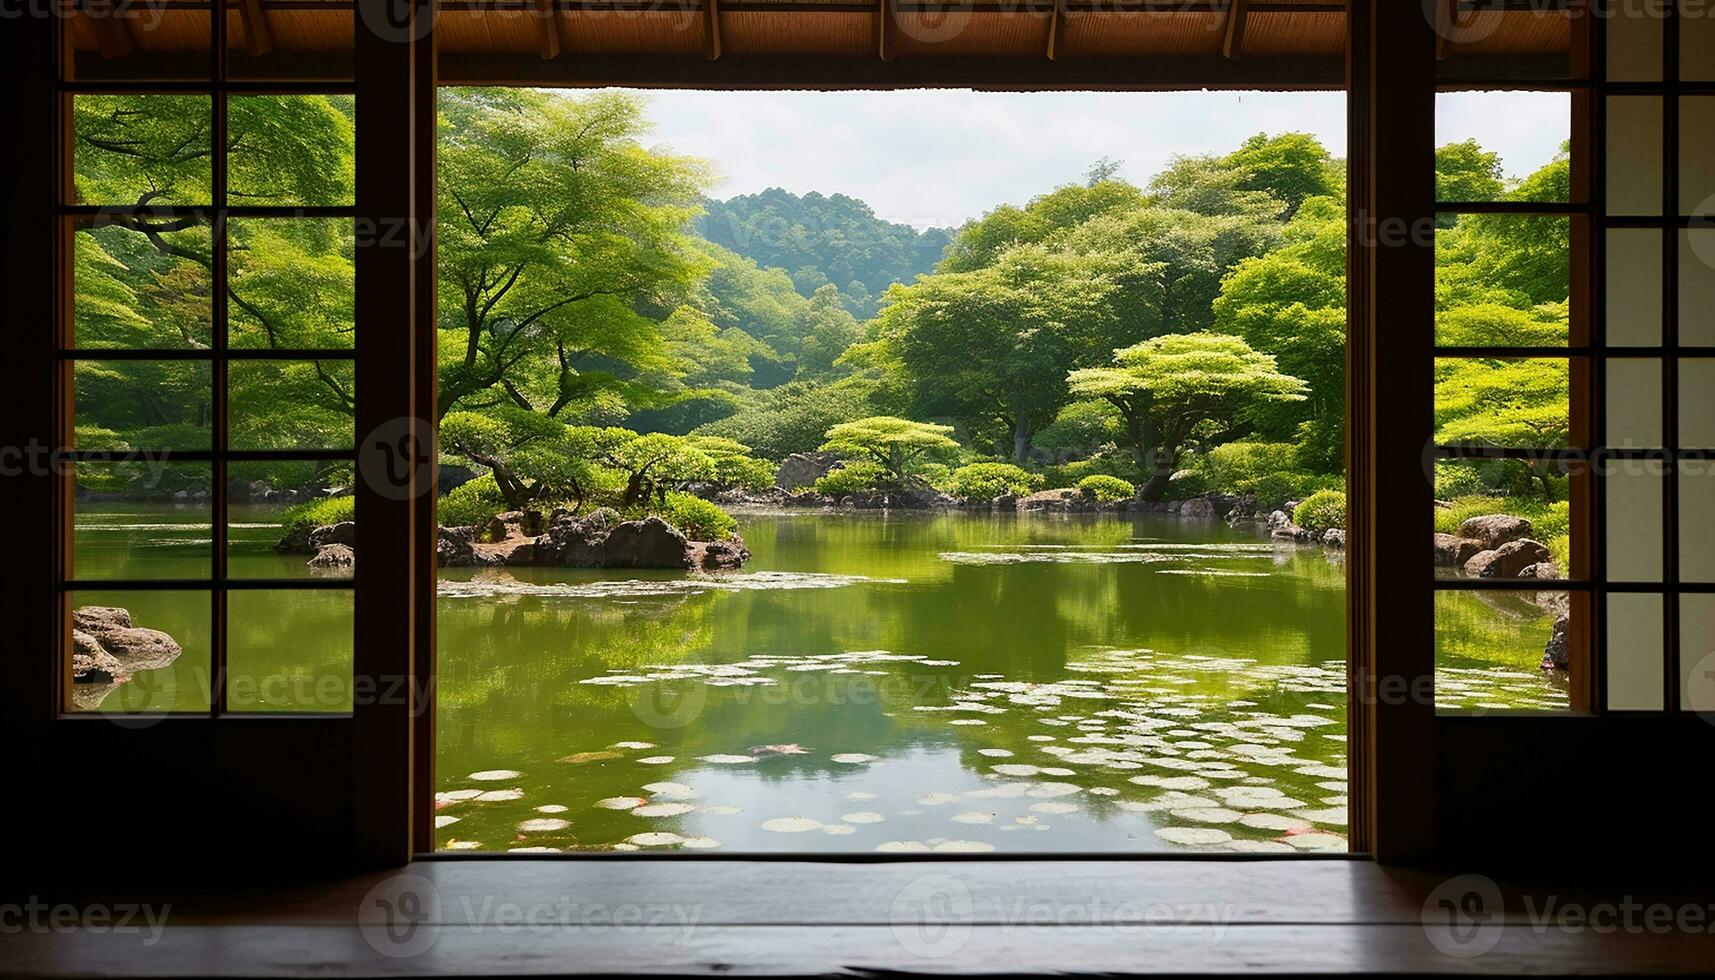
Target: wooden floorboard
[(526, 918)]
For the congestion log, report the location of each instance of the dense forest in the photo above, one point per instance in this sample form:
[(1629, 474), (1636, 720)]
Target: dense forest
[(821, 240), (609, 334)]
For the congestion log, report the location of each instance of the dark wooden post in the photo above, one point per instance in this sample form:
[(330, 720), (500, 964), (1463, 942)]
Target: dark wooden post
[(395, 399), (1389, 398)]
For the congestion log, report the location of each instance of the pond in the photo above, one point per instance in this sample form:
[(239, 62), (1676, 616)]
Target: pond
[(869, 682)]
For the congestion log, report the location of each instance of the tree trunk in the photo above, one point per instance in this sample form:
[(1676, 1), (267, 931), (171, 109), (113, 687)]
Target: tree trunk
[(1020, 445)]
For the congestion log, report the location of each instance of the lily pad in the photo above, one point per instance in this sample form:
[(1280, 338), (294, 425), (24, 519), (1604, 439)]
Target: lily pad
[(863, 816), (578, 758), (937, 799), (445, 822), (656, 760), (500, 796), (655, 838), (633, 745), (973, 816), (621, 802), (1054, 807), (662, 809), (963, 846), (1193, 836), (855, 758), (494, 775), (540, 825), (700, 843), (671, 791), (902, 847), (457, 795), (791, 825)]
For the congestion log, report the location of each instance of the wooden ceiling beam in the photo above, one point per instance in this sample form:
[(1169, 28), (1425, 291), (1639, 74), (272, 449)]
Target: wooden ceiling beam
[(712, 28), (112, 36), (547, 29), (884, 30), (1056, 28), (1233, 41), (258, 36)]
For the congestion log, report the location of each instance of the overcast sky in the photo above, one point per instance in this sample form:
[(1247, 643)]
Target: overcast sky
[(941, 157)]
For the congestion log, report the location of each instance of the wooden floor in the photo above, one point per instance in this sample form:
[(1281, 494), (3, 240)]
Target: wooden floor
[(734, 918)]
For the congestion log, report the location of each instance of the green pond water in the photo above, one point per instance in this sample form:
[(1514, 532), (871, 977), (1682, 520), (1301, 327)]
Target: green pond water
[(906, 682)]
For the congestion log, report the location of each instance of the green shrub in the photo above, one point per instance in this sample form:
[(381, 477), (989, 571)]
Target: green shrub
[(296, 522), (986, 481), (1320, 511), (470, 503), (699, 519), (856, 476), (1270, 470), (1106, 488), (1068, 474), (1457, 478), (318, 513)]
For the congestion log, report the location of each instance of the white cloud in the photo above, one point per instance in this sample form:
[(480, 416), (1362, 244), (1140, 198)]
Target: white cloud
[(943, 156)]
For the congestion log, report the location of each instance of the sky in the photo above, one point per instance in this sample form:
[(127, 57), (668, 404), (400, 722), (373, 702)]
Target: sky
[(937, 158)]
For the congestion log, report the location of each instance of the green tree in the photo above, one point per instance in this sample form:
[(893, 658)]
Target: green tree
[(990, 348), (1183, 387), (530, 456), (1501, 403), (893, 443), (555, 224)]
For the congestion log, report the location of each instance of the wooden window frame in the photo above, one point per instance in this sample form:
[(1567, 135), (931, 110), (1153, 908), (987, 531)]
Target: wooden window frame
[(220, 356), (1391, 81)]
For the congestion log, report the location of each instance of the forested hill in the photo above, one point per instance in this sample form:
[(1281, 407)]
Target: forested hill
[(820, 239)]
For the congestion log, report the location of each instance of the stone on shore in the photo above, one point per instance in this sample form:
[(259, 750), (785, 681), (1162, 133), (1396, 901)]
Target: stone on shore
[(1494, 530), (334, 557), (1508, 560), (108, 649)]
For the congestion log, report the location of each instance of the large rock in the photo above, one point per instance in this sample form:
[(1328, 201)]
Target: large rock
[(720, 556), (1494, 530), (345, 532), (1197, 509), (334, 557), (96, 620), (803, 469), (514, 524), (134, 647), (1061, 500), (1334, 537), (455, 547), (1507, 561), (575, 542), (649, 543), (91, 663), (1454, 551), (1557, 653)]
